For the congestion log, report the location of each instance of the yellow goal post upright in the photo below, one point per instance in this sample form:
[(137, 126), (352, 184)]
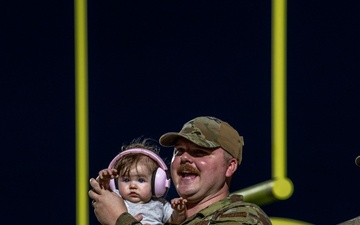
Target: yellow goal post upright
[(81, 112), (280, 187)]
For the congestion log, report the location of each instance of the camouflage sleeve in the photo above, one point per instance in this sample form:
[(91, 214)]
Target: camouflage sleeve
[(233, 211), (243, 215), (126, 219)]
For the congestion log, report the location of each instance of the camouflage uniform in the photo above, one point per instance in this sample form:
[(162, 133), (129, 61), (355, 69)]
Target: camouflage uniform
[(229, 211)]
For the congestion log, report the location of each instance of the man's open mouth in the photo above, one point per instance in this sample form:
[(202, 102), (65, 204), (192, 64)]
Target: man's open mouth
[(186, 170)]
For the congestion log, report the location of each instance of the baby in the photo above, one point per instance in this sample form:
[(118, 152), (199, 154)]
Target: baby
[(143, 182)]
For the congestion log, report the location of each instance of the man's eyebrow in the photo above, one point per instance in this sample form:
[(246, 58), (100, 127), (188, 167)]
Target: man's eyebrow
[(196, 147)]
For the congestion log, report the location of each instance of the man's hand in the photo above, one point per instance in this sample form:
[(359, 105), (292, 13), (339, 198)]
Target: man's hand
[(108, 206)]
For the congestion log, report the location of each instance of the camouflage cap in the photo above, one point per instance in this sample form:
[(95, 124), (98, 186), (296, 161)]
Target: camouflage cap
[(208, 132)]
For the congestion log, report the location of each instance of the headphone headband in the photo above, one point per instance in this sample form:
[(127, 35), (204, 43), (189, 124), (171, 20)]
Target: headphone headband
[(143, 151)]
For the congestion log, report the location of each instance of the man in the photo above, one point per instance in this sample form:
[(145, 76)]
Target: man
[(207, 152)]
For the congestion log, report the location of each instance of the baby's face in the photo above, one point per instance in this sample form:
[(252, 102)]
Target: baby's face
[(136, 187)]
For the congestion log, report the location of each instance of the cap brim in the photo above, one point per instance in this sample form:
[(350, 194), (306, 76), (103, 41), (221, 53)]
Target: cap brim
[(169, 139)]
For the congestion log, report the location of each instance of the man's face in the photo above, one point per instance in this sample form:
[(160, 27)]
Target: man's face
[(198, 173)]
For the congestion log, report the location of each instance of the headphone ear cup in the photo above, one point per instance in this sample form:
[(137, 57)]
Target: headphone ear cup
[(112, 184), (160, 183)]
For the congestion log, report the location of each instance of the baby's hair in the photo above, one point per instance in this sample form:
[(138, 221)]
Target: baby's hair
[(126, 162), (145, 143)]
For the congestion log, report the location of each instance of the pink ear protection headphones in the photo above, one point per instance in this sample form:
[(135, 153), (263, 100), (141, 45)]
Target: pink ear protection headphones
[(160, 179)]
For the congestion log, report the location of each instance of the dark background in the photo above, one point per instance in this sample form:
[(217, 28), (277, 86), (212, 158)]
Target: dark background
[(155, 65)]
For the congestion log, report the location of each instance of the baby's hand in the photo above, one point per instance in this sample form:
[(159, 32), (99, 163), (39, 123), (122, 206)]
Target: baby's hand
[(105, 176), (179, 214), (179, 204)]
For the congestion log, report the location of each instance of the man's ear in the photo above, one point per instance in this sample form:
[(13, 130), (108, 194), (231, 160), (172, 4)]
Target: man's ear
[(232, 167)]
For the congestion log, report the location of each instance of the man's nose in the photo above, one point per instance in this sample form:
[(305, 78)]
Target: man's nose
[(186, 157)]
